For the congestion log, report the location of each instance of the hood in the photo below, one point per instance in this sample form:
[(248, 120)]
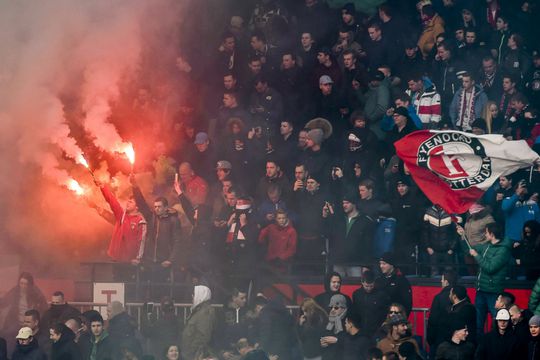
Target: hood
[(200, 295), (25, 349)]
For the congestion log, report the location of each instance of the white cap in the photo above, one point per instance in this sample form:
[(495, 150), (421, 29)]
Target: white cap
[(502, 314), (24, 333)]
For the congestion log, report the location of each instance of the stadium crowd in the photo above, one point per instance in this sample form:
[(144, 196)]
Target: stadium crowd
[(284, 162)]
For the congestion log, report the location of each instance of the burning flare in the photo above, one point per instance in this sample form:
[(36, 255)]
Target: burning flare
[(74, 186), (130, 153), (81, 160)]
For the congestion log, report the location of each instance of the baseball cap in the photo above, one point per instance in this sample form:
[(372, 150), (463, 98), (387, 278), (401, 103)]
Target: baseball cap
[(24, 333), (502, 314), (325, 79), (201, 138), (223, 164)]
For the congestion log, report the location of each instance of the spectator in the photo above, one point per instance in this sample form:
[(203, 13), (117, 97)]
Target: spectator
[(315, 158), (531, 250), (447, 71), (202, 156), (404, 125), (311, 327), (433, 25), (129, 234), (19, 299), (492, 259), (266, 106), (504, 300), (397, 335), (439, 238), (333, 342), (307, 53), (457, 347), (172, 352), (350, 237), (534, 328), (275, 329), (122, 327), (380, 49), (63, 347), (32, 319), (200, 325), (516, 61), (463, 310), (438, 313), (370, 303), (393, 282), (280, 239), (232, 321), (534, 299), (27, 347), (403, 100), (328, 66), (509, 86), (377, 99), (332, 286), (467, 104), (490, 79), (274, 175), (425, 99), (160, 329), (59, 312), (499, 343), (520, 329), (99, 346), (355, 342)]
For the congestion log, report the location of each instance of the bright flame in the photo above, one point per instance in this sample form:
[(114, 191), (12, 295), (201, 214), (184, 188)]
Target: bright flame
[(81, 160), (130, 153), (74, 186)]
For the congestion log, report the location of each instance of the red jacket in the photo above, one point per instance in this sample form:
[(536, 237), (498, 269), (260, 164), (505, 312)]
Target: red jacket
[(129, 234), (196, 190), (281, 241)]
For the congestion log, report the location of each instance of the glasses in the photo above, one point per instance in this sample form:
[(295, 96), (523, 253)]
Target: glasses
[(335, 307), (394, 312)]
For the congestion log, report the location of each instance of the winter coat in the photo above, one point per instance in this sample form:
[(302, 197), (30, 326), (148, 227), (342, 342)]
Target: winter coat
[(323, 299), (308, 206), (264, 183), (372, 308), (355, 347), (28, 352), (389, 344), (427, 105), (433, 28), (164, 233), (397, 287), (493, 262), (408, 212), (534, 349), (121, 327), (449, 350), (351, 239), (104, 347), (495, 346), (516, 214), (534, 299), (65, 348), (388, 124), (57, 313), (281, 241), (377, 100), (10, 303), (466, 312), (310, 339), (129, 234), (199, 329), (275, 330), (480, 101), (438, 317), (438, 231)]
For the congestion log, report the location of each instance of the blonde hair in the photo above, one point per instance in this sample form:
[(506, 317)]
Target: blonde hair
[(314, 313), (486, 114)]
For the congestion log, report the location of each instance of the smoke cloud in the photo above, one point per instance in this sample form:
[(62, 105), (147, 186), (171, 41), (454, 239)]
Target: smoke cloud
[(66, 66)]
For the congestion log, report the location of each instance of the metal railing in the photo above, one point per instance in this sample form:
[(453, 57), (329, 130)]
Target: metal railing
[(135, 309)]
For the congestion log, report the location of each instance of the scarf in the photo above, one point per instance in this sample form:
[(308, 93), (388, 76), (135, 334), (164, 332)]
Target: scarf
[(335, 322), (466, 112)]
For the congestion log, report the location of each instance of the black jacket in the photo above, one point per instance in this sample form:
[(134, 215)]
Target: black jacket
[(355, 347), (28, 352), (397, 287), (437, 330), (449, 350), (534, 349), (352, 246), (372, 308), (65, 348), (276, 330), (466, 311), (323, 299), (495, 346)]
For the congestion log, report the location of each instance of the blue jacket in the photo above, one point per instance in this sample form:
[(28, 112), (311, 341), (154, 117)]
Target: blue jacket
[(387, 122), (516, 214)]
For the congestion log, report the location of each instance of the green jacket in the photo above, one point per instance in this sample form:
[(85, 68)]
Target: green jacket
[(493, 263), (199, 330), (534, 300)]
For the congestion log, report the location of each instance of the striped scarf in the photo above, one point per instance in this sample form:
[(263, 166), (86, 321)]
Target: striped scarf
[(466, 108)]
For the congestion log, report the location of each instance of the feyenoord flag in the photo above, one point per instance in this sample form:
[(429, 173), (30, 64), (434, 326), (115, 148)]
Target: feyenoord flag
[(454, 168)]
